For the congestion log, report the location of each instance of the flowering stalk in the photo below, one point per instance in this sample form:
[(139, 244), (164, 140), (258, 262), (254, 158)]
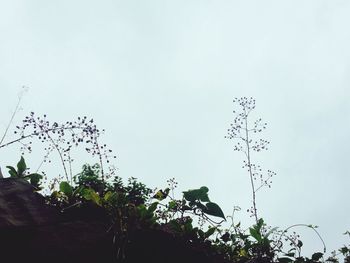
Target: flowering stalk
[(61, 138), (242, 133)]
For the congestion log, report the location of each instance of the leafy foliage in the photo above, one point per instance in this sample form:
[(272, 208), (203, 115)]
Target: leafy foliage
[(21, 173), (128, 207), (132, 206)]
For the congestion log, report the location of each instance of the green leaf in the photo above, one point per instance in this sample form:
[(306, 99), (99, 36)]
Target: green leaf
[(172, 205), (149, 213), (107, 196), (21, 167), (200, 206), (188, 226), (285, 260), (344, 250), (12, 171), (317, 256), (214, 210), (142, 210), (197, 194), (209, 232), (35, 179), (225, 237), (110, 197), (301, 260), (66, 189), (201, 233), (243, 252), (56, 195), (255, 234), (152, 207), (265, 241), (259, 224), (90, 195), (161, 195), (300, 244), (175, 225)]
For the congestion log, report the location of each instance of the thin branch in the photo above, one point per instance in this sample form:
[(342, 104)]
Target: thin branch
[(13, 115), (250, 169)]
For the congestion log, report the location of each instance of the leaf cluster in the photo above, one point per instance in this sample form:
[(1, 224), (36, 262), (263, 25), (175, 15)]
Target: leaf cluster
[(21, 173), (125, 208)]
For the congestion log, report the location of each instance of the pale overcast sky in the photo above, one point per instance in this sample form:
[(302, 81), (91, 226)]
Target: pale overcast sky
[(160, 77)]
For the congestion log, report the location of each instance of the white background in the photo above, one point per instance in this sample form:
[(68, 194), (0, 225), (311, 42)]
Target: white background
[(160, 77)]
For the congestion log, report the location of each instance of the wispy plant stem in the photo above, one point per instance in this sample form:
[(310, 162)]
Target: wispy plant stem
[(12, 116), (61, 138), (100, 160), (250, 166), (242, 133)]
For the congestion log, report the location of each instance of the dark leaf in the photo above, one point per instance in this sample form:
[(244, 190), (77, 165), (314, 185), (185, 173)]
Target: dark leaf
[(152, 207), (255, 234), (197, 194), (172, 205), (300, 244), (35, 179), (209, 232), (225, 237), (176, 226), (285, 260), (214, 210), (12, 171), (66, 189), (317, 256), (161, 195), (21, 167)]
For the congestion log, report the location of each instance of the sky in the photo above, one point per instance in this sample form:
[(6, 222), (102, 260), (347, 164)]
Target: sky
[(160, 77)]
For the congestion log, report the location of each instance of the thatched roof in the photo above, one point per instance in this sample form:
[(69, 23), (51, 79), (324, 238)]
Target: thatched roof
[(20, 206), (31, 231)]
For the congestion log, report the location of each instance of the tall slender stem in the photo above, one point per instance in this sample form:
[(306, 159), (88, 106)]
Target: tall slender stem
[(241, 130), (100, 159), (250, 166)]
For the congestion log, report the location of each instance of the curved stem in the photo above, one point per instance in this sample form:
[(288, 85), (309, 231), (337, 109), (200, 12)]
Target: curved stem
[(303, 225)]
